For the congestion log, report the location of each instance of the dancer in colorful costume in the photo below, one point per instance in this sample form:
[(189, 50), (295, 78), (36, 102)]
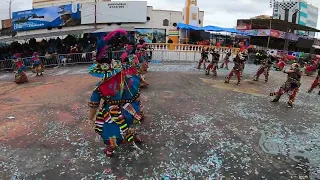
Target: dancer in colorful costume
[(226, 60), (141, 64), (316, 82), (19, 74), (245, 55), (120, 90), (291, 86), (311, 68), (237, 69), (280, 64), (144, 56), (264, 68), (37, 65), (214, 63), (204, 57)]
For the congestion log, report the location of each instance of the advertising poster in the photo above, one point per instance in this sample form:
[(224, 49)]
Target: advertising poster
[(258, 32), (41, 18), (277, 34), (243, 26), (149, 34)]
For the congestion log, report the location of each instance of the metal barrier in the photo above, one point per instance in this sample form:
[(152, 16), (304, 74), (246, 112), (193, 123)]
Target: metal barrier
[(183, 56), (52, 60), (164, 56)]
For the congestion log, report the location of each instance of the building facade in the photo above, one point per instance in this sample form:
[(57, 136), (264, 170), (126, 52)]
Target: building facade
[(110, 17), (299, 12), (46, 3)]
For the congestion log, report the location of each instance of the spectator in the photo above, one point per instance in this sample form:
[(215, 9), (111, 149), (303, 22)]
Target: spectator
[(141, 41), (170, 41), (154, 40)]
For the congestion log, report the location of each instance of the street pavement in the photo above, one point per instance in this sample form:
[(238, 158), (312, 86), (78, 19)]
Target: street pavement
[(196, 127)]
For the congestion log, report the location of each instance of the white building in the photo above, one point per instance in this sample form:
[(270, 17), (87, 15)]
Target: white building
[(111, 15), (46, 3)]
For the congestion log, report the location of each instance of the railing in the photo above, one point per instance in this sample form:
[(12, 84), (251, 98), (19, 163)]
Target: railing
[(55, 60), (187, 47), (52, 60)]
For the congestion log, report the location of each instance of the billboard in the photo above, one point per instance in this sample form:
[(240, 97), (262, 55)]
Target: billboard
[(148, 35), (243, 26), (258, 32), (41, 18), (115, 12)]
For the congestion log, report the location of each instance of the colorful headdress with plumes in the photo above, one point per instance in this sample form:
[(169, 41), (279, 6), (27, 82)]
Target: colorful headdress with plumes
[(124, 56), (17, 56), (129, 49), (105, 42)]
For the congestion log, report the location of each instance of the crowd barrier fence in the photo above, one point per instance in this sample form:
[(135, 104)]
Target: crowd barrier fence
[(165, 56)]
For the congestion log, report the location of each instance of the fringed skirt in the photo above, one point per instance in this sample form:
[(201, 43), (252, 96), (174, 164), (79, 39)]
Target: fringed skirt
[(20, 77), (115, 123)]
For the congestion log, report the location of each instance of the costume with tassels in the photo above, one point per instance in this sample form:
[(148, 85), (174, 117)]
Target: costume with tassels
[(141, 62), (237, 69), (143, 58), (19, 74), (214, 63), (245, 55), (291, 86), (37, 65), (204, 58), (264, 69), (226, 61), (121, 108), (280, 64)]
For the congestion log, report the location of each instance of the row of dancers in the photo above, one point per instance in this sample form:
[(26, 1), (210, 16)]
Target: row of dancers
[(290, 87), (20, 68)]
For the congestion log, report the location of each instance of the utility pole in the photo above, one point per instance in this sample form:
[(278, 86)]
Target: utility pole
[(10, 4), (95, 14)]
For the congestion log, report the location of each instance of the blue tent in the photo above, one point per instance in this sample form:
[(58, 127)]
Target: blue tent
[(213, 28), (221, 29), (186, 26)]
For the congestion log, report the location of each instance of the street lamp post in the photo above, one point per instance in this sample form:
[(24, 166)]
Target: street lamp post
[(10, 5)]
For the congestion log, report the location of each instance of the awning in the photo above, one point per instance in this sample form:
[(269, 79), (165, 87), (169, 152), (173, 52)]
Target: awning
[(186, 26), (47, 34)]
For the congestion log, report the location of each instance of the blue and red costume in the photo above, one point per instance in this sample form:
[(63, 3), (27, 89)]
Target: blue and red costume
[(19, 74)]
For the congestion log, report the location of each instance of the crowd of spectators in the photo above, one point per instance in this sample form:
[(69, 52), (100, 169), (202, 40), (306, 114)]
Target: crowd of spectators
[(69, 44)]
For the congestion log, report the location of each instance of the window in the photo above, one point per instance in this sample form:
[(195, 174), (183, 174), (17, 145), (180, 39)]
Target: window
[(294, 17), (286, 15), (165, 22)]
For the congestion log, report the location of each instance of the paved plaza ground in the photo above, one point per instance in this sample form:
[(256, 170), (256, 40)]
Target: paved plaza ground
[(196, 127)]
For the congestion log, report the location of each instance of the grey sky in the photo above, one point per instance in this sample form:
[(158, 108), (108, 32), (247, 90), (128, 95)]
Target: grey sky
[(220, 13)]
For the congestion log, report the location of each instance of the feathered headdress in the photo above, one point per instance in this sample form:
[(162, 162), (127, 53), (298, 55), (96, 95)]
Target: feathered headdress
[(124, 56), (17, 55), (103, 43)]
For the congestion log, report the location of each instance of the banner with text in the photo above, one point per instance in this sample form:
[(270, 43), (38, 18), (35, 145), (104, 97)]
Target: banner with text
[(41, 18)]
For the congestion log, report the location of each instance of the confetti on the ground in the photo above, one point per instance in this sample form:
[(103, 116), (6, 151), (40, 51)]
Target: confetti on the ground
[(196, 127)]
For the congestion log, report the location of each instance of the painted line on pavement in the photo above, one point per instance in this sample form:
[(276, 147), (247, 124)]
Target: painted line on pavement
[(61, 72)]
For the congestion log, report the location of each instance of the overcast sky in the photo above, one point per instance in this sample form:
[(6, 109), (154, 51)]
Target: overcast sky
[(217, 12)]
